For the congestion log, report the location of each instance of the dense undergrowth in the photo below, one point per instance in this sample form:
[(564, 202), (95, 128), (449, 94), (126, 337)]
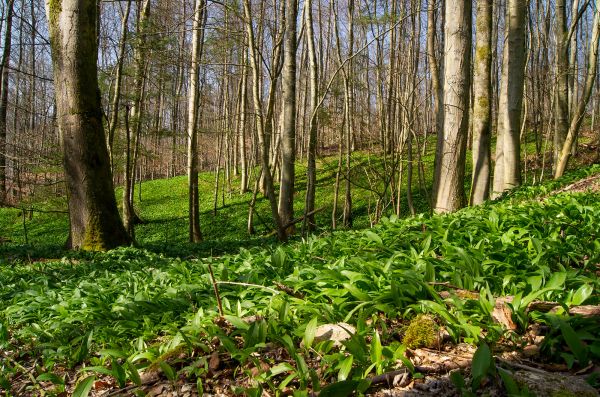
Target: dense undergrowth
[(132, 311)]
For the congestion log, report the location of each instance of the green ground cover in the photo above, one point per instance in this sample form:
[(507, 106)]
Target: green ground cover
[(133, 311)]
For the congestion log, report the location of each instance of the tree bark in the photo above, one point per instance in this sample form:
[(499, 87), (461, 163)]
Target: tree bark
[(561, 115), (263, 120), (4, 97), (129, 215), (579, 114), (482, 110), (288, 132), (507, 171), (114, 117), (450, 194), (195, 235), (93, 213), (436, 88), (311, 172)]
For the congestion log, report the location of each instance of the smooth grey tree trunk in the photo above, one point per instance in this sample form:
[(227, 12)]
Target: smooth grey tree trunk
[(482, 101), (311, 172), (436, 87), (288, 132), (195, 235), (93, 213), (4, 97), (507, 171), (561, 103), (450, 194)]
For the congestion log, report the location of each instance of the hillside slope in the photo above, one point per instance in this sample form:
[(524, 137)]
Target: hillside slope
[(132, 317)]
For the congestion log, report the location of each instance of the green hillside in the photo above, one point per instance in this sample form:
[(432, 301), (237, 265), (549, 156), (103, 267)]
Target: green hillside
[(132, 319)]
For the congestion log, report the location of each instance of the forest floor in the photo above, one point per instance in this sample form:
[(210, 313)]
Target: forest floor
[(500, 299)]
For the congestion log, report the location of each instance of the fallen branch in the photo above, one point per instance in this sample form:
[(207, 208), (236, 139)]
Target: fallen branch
[(288, 290)]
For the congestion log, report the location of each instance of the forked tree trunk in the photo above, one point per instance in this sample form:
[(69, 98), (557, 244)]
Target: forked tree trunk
[(93, 213), (579, 114), (450, 194), (263, 120), (482, 110)]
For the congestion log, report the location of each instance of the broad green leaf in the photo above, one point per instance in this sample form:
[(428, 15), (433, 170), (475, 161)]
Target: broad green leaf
[(376, 348), (119, 373), (582, 294), (3, 333), (345, 368), (237, 322), (50, 377), (510, 385), (168, 371), (281, 368), (309, 333), (340, 389), (357, 293), (373, 237), (134, 375), (557, 280), (98, 369), (482, 362), (84, 387), (574, 343)]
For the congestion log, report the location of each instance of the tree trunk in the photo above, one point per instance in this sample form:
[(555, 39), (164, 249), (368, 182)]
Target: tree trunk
[(263, 121), (242, 126), (4, 83), (288, 132), (112, 126), (129, 215), (436, 88), (561, 115), (579, 114), (311, 172), (93, 213), (195, 234), (482, 110), (507, 171), (450, 194)]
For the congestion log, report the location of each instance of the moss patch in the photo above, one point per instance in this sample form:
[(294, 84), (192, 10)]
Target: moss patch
[(421, 332)]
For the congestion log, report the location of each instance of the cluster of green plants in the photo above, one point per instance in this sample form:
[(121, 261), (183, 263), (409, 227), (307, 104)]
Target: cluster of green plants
[(132, 310)]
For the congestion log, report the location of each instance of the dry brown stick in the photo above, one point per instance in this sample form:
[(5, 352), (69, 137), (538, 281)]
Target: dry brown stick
[(216, 288), (521, 366), (288, 290)]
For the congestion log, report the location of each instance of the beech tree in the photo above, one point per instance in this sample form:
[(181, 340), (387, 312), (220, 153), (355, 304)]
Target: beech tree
[(94, 218), (192, 128), (507, 170), (482, 104), (450, 194), (579, 113), (4, 95), (288, 130)]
